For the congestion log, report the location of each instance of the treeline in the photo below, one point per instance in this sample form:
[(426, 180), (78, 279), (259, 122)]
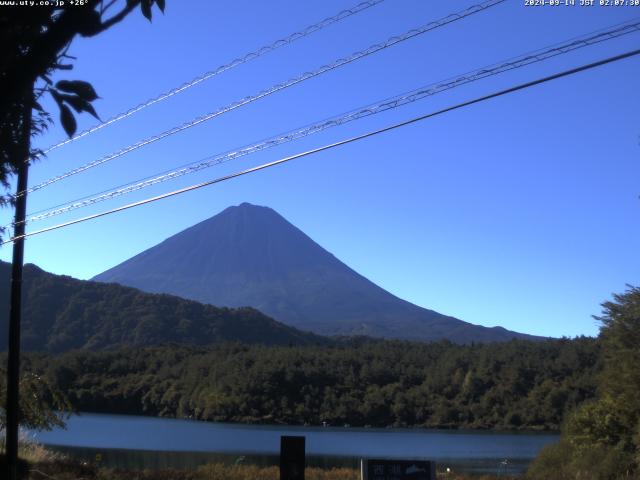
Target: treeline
[(601, 438), (513, 385)]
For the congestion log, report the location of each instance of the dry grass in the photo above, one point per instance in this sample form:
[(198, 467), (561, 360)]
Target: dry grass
[(252, 472), (35, 453), (65, 470), (219, 472), (38, 463)]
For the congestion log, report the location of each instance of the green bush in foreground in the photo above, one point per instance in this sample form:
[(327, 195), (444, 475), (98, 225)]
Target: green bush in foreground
[(601, 439), (41, 403), (564, 461)]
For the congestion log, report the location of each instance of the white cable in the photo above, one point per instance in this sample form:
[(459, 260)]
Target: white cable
[(276, 88), (234, 63), (371, 133), (384, 105)]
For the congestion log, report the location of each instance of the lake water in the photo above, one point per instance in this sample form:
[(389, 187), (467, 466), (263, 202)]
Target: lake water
[(147, 442)]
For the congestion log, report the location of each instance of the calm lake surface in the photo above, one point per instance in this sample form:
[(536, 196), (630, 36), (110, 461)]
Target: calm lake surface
[(147, 442)]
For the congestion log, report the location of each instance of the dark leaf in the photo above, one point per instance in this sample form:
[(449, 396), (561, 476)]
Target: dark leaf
[(61, 66), (38, 107), (79, 104), (90, 24), (67, 120), (145, 6), (57, 96), (37, 153), (87, 107), (74, 101), (161, 5), (83, 89)]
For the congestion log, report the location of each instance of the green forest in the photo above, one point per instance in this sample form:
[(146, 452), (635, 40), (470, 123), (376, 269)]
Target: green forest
[(62, 313), (237, 365), (585, 387), (601, 438), (513, 385)]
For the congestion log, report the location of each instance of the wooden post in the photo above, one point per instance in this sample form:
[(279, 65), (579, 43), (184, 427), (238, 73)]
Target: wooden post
[(292, 458), (15, 309)]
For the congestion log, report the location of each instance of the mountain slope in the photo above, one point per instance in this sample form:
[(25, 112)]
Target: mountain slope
[(250, 255), (62, 313)]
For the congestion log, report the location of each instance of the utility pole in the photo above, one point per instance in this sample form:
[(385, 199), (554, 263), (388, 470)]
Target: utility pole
[(15, 309)]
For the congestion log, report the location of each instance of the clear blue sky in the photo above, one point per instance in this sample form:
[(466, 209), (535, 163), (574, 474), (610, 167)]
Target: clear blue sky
[(521, 212)]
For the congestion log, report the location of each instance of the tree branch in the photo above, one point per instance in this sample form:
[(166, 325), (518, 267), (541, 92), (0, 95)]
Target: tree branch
[(106, 7), (118, 17), (44, 52)]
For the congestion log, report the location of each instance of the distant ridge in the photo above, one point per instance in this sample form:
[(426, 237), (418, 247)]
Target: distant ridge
[(61, 313), (250, 255)]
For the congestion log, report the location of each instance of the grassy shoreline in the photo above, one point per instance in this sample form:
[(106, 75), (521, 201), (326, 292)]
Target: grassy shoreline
[(37, 462), (49, 466)]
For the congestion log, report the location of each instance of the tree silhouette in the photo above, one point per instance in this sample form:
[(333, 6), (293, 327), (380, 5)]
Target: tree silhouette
[(601, 439), (35, 42)]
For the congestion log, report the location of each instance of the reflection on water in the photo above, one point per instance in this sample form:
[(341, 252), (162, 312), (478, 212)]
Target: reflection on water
[(156, 443)]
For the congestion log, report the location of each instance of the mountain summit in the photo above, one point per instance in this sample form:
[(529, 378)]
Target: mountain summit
[(249, 255)]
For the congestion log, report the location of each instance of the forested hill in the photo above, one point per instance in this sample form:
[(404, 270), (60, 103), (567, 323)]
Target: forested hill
[(512, 385), (62, 313)]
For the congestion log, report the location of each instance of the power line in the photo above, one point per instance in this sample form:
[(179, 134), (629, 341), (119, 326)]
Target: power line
[(372, 133), (294, 81), (276, 88), (372, 109), (223, 68)]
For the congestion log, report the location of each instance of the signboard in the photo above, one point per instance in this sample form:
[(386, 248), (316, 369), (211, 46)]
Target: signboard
[(389, 469), (292, 459)]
